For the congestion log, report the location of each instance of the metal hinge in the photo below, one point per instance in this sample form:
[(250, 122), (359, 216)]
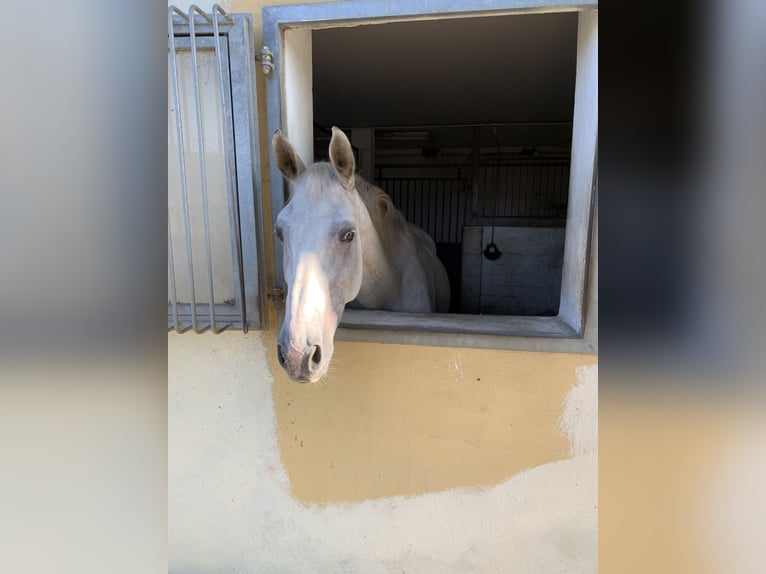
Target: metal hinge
[(277, 297), (266, 58)]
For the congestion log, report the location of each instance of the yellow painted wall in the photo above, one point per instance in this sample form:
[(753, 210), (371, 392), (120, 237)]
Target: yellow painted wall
[(402, 419)]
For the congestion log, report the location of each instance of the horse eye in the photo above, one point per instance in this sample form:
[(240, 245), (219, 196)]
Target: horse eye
[(347, 236)]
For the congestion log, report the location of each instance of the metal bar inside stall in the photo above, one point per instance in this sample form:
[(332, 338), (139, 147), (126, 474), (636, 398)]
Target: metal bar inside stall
[(172, 279), (233, 202), (202, 167), (181, 161)]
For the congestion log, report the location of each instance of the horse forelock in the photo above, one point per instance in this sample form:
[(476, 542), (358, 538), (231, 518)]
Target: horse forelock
[(318, 181)]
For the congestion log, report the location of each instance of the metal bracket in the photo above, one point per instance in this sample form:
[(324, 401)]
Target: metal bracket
[(266, 58), (277, 297)]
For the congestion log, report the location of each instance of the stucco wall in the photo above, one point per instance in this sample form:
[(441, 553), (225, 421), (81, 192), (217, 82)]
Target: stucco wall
[(407, 459)]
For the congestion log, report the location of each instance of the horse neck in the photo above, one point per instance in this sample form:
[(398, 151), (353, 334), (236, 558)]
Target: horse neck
[(381, 279)]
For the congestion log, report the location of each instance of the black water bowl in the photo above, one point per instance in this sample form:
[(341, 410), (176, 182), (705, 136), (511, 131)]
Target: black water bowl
[(491, 251)]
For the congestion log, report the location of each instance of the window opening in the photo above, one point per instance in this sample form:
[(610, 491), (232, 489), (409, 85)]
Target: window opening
[(489, 179), (566, 154)]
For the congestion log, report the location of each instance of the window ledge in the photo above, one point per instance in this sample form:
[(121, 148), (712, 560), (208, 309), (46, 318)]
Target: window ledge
[(545, 334)]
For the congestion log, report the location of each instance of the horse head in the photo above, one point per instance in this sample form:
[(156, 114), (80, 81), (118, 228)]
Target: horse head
[(322, 254)]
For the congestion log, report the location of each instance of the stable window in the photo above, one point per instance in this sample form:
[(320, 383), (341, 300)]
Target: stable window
[(214, 255), (524, 174), (479, 159), (480, 121)]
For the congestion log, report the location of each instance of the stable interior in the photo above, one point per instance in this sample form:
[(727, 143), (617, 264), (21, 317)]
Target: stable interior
[(467, 124)]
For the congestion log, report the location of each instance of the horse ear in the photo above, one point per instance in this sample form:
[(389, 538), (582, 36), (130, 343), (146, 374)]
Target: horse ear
[(342, 157), (287, 158)]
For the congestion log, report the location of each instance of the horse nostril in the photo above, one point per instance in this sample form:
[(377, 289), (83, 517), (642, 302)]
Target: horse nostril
[(316, 356), (280, 355)]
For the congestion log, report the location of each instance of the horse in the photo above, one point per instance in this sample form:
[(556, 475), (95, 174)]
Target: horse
[(344, 242)]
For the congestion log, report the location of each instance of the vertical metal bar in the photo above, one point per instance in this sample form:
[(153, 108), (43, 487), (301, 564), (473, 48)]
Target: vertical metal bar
[(447, 212), (437, 206), (459, 200), (560, 184), (427, 185), (525, 187), (475, 168), (410, 201), (403, 199), (500, 198), (531, 186), (442, 196), (512, 188), (462, 200), (172, 279), (489, 187), (396, 197), (202, 168), (516, 189), (441, 223), (543, 188), (435, 198), (181, 161), (529, 183), (421, 193), (506, 190), (431, 207), (437, 202), (539, 186), (233, 202), (454, 210), (454, 190), (423, 185), (464, 214)]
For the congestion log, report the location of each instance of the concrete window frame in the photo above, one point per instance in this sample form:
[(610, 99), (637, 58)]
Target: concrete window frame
[(287, 33)]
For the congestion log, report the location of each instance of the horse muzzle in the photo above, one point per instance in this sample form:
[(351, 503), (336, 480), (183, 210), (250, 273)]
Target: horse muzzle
[(303, 363)]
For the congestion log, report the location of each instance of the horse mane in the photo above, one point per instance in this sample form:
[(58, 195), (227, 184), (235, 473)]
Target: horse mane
[(386, 218), (389, 223)]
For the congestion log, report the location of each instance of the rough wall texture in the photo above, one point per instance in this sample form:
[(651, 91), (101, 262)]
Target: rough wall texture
[(423, 474)]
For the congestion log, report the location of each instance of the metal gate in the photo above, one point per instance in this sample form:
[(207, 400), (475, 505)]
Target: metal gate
[(440, 206), (213, 218)]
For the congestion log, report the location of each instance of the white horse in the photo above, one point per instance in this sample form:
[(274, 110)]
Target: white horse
[(343, 241)]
